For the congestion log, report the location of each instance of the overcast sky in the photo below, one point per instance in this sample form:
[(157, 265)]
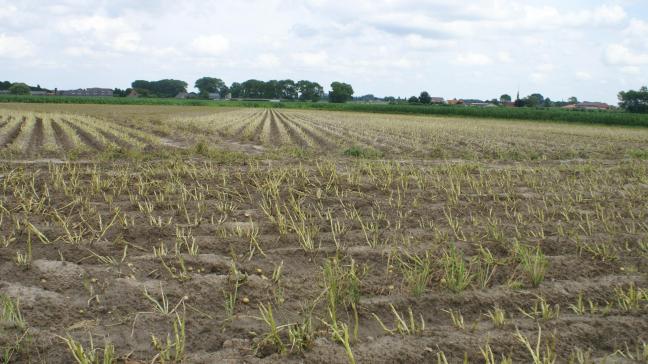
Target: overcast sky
[(469, 49)]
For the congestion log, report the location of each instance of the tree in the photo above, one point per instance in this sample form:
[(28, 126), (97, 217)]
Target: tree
[(413, 100), (425, 98), (288, 90), (253, 89), (309, 91), (535, 100), (4, 85), (19, 89), (235, 90), (161, 88), (634, 101), (505, 98), (340, 92), (548, 102), (121, 93), (572, 100), (207, 85)]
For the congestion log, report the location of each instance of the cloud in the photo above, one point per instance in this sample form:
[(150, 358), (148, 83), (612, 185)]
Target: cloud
[(583, 76), (631, 70), (127, 42), (504, 57), (618, 54), (319, 58), (15, 47), (474, 59), (212, 45), (417, 41), (267, 60)]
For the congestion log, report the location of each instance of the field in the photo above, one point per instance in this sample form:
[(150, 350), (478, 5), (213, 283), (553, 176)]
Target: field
[(170, 234), (553, 114)]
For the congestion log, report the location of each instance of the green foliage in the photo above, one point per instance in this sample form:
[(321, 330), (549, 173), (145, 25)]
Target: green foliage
[(19, 89), (208, 85), (425, 98), (536, 114), (309, 91), (161, 88), (638, 153), (340, 92), (634, 101), (359, 152)]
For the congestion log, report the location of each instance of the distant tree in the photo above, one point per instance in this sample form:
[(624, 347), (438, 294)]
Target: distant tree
[(253, 89), (207, 85), (288, 90), (121, 93), (572, 100), (634, 101), (521, 102), (161, 88), (389, 98), (505, 98), (535, 100), (309, 91), (235, 90), (19, 89), (340, 92), (413, 100), (425, 98), (4, 85), (547, 102)]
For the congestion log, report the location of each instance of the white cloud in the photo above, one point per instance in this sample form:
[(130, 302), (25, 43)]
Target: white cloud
[(100, 26), (504, 57), (474, 59), (417, 41), (583, 76), (15, 47), (618, 54), (80, 51), (311, 58), (127, 42), (631, 70), (7, 11), (212, 45), (636, 28), (267, 60)]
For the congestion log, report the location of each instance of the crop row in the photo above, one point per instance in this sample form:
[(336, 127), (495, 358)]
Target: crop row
[(30, 134)]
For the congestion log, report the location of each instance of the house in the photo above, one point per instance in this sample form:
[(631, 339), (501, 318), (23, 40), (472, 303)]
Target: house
[(437, 100), (182, 95), (480, 104), (38, 93), (214, 96), (133, 93), (93, 91), (586, 105), (455, 102)]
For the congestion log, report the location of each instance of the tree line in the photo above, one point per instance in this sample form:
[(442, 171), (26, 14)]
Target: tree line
[(303, 90), (635, 101)]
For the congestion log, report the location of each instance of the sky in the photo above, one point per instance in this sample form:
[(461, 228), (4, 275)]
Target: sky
[(464, 49)]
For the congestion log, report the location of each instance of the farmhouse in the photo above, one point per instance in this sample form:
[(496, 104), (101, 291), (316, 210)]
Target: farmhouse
[(93, 91), (586, 105), (437, 100)]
